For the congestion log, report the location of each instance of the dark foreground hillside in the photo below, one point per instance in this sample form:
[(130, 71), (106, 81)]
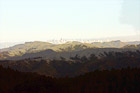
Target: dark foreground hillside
[(113, 81), (77, 65)]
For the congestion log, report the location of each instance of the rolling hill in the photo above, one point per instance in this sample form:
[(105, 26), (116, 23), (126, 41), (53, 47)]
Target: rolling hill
[(41, 49), (76, 65)]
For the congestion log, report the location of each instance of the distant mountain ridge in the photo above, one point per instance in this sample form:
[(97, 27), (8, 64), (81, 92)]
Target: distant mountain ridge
[(30, 49), (8, 44)]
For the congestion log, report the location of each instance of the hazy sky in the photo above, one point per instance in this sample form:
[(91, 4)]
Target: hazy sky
[(29, 20)]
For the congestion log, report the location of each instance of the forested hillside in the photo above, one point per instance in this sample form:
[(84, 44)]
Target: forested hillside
[(113, 81), (76, 65)]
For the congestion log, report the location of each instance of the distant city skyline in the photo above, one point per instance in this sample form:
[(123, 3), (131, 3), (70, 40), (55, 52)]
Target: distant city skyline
[(42, 20), (121, 38), (62, 40)]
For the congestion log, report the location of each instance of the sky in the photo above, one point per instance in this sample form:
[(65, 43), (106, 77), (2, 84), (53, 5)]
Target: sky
[(41, 20)]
